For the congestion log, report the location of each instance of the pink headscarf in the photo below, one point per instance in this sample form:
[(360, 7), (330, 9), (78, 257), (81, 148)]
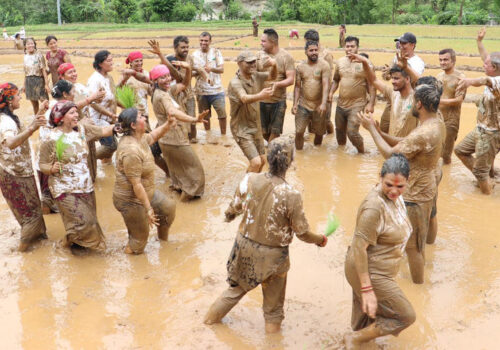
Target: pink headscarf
[(158, 71), (133, 56)]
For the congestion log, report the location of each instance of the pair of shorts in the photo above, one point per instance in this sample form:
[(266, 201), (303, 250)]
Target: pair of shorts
[(217, 101), (272, 116), (484, 144), (304, 116), (251, 145)]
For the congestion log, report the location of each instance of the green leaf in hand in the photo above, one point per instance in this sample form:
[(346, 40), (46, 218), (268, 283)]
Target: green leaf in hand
[(60, 148), (126, 96), (332, 225)]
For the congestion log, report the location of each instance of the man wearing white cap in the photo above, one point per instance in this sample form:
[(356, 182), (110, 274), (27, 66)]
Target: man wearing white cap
[(245, 90)]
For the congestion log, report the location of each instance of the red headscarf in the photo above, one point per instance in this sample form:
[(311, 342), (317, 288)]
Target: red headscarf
[(63, 68), (7, 93), (133, 56), (59, 110)]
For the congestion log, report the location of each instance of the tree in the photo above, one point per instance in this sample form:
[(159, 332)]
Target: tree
[(163, 8), (461, 12), (124, 9)]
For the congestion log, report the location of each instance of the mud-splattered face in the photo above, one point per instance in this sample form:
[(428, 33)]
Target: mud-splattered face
[(393, 185)]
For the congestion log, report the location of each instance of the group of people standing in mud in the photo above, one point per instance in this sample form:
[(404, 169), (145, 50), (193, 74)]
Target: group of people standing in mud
[(418, 127)]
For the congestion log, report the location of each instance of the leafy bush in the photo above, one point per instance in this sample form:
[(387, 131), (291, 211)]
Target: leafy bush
[(235, 10), (317, 11), (123, 9), (183, 12), (408, 18)]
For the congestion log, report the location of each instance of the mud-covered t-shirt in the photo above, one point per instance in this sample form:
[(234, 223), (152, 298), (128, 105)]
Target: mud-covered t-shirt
[(401, 121), (423, 148), (211, 59), (272, 210), (385, 226), (142, 90), (488, 112), (17, 161), (245, 117), (284, 63), (162, 101), (34, 64), (311, 77), (353, 84), (75, 175), (134, 160), (451, 114), (96, 82)]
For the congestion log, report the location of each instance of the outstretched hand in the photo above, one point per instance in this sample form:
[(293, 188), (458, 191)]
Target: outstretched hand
[(354, 57), (180, 64), (366, 119), (463, 84), (155, 47), (202, 115), (402, 60), (481, 34)]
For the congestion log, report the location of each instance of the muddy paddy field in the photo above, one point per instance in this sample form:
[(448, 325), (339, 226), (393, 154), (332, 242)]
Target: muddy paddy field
[(50, 299)]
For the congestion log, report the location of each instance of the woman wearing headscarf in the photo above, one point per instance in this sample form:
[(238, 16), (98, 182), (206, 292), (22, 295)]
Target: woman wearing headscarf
[(186, 171), (137, 78), (63, 157), (134, 195), (383, 228), (272, 214), (17, 180)]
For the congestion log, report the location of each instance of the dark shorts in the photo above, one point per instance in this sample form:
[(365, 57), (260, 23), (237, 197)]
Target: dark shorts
[(217, 101), (272, 116), (251, 145), (304, 116)]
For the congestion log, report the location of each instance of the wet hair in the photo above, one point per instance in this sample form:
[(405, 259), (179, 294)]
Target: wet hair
[(26, 40), (100, 57), (397, 69), (310, 43), (6, 110), (396, 164), (206, 34), (364, 55), (452, 53), (278, 159), (126, 118), (49, 38), (429, 80), (428, 91), (272, 35), (352, 38), (61, 87), (495, 59), (180, 39), (311, 35)]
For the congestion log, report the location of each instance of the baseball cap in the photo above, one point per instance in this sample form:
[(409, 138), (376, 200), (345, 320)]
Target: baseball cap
[(246, 56), (407, 38)]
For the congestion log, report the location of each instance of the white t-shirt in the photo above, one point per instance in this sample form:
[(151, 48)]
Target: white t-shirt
[(96, 82), (415, 63), (212, 59)]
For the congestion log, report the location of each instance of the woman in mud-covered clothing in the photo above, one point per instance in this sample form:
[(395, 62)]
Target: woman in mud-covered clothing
[(272, 215), (383, 228), (63, 157), (17, 180), (134, 195)]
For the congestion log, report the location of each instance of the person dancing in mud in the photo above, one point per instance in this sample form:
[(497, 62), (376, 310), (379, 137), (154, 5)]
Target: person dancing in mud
[(245, 90), (134, 194), (272, 213), (383, 228), (484, 140), (17, 180), (312, 80)]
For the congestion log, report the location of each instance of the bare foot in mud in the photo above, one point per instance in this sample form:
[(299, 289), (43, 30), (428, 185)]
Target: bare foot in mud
[(350, 342), (23, 246), (185, 197), (273, 328), (128, 250)]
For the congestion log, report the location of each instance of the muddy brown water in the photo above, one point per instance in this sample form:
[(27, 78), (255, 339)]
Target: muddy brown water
[(50, 299)]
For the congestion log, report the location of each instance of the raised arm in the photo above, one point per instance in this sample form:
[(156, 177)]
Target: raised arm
[(480, 46), (15, 141), (370, 73), (155, 49), (158, 133), (369, 124)]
